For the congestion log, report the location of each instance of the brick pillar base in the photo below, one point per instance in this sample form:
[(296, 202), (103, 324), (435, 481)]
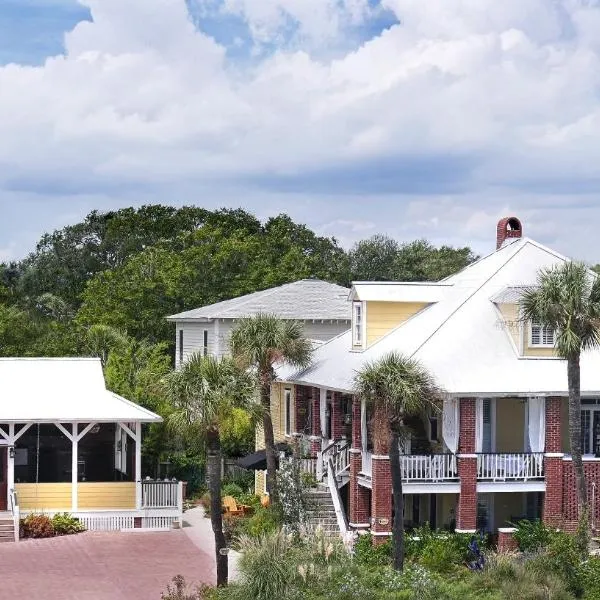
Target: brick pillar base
[(506, 540), (381, 499)]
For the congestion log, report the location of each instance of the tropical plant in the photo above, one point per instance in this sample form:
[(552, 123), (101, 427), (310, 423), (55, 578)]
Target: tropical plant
[(396, 388), (567, 299), (203, 392), (66, 524), (261, 342)]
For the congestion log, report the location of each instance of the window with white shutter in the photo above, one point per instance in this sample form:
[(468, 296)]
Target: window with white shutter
[(357, 324), (541, 336)]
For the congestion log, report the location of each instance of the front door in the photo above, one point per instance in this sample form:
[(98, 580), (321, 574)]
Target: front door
[(3, 479)]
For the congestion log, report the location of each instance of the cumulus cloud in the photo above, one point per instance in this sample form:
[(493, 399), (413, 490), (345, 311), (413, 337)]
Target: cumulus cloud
[(459, 99)]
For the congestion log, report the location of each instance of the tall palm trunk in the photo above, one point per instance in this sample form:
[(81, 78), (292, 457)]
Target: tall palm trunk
[(265, 398), (574, 379), (398, 521), (216, 514)]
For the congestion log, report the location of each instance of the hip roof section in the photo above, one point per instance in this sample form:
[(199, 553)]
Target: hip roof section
[(461, 338), (64, 390), (304, 300)]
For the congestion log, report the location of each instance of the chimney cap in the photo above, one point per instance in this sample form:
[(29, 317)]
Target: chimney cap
[(508, 228)]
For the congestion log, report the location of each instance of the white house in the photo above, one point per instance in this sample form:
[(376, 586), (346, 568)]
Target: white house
[(322, 307)]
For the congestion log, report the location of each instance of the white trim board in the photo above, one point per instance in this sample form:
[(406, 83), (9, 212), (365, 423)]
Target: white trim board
[(487, 487)]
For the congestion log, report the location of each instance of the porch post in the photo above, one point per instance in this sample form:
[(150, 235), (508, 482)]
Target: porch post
[(10, 466), (74, 469), (359, 516), (322, 416), (466, 518), (315, 426), (138, 465), (553, 466)]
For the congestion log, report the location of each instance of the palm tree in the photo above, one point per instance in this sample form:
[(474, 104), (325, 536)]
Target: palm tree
[(396, 388), (567, 299), (203, 392), (261, 342)]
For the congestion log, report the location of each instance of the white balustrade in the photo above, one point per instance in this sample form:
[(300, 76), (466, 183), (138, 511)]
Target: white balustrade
[(510, 467), (160, 494), (309, 465), (435, 467)]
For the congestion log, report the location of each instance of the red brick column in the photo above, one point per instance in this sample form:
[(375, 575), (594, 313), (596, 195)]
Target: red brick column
[(381, 499), (553, 465), (466, 516), (337, 416), (359, 495), (316, 421), (506, 540)]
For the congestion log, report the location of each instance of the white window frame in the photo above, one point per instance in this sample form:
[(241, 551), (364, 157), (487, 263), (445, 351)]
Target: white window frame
[(544, 331), (205, 342), (287, 411), (358, 324)]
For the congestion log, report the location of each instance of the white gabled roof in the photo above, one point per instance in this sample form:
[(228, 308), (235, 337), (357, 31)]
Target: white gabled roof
[(391, 291), (62, 389), (461, 338), (304, 300)]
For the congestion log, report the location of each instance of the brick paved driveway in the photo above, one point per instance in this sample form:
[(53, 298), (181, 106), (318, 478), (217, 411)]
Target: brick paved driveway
[(100, 566)]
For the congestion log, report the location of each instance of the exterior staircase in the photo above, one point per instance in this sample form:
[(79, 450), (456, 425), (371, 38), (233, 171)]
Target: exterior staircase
[(321, 511), (7, 527)]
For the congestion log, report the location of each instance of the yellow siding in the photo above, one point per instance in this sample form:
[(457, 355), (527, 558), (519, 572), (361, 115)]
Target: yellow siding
[(382, 317), (510, 316), (44, 496), (510, 425), (109, 495)]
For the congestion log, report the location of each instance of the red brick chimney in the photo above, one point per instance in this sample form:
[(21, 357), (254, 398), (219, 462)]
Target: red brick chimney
[(509, 227)]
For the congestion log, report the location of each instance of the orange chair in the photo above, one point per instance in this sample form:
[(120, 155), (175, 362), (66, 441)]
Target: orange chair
[(233, 508)]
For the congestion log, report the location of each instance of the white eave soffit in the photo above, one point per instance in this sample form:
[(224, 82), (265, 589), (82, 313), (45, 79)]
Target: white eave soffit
[(398, 291)]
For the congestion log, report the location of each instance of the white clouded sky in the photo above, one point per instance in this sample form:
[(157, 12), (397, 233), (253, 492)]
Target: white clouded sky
[(455, 114)]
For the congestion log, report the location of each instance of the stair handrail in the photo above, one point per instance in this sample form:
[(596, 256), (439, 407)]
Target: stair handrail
[(15, 510), (340, 514)]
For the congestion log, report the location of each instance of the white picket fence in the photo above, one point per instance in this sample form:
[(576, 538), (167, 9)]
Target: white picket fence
[(435, 467), (160, 494)]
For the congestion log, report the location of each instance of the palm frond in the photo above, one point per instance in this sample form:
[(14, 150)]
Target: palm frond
[(400, 386), (566, 298)]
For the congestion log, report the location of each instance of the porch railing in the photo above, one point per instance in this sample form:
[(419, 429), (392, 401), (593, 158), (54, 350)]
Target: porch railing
[(510, 467), (160, 494), (339, 455), (309, 465), (13, 504), (435, 467)]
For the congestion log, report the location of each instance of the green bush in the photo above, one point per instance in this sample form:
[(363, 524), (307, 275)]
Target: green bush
[(231, 489), (442, 555), (532, 536), (37, 526), (308, 480), (562, 559), (369, 555), (66, 524), (179, 590), (589, 573), (262, 522)]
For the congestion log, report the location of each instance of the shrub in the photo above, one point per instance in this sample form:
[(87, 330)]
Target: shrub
[(441, 554), (266, 570), (308, 480), (66, 524), (532, 535), (37, 526), (589, 573), (231, 489), (365, 553), (262, 522), (562, 559), (205, 503)]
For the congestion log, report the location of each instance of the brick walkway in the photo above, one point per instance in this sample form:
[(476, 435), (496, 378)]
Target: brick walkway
[(100, 566)]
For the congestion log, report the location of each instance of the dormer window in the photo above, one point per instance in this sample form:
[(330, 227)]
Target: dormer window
[(541, 336), (357, 324)]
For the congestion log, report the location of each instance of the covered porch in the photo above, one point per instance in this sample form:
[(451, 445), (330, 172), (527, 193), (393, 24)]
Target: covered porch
[(69, 445)]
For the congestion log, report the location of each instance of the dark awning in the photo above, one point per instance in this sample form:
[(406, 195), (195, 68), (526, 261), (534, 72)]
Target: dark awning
[(257, 461)]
